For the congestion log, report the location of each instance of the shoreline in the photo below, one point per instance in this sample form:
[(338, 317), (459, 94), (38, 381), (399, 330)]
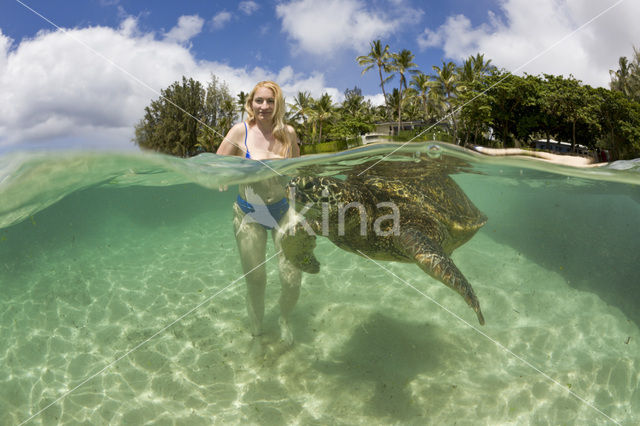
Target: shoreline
[(565, 160)]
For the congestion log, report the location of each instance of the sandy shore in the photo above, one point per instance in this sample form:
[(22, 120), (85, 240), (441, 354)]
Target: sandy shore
[(566, 160)]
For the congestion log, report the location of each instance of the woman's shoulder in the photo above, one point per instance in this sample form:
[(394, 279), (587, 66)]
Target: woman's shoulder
[(238, 127), (237, 131), (232, 141), (291, 131)]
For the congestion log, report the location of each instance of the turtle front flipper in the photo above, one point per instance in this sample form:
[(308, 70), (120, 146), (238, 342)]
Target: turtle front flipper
[(432, 259), (298, 245)]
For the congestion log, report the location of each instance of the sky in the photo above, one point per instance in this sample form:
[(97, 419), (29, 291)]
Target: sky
[(78, 73)]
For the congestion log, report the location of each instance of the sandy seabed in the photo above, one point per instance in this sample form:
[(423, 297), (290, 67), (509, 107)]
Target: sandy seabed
[(369, 349)]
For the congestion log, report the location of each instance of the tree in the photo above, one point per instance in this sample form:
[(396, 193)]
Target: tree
[(567, 98), (630, 129), (626, 79), (436, 104), (171, 123), (393, 101), (322, 111), (187, 119), (480, 66), (443, 86), (473, 71), (350, 119), (378, 56), (412, 107), (402, 63), (301, 109), (220, 112), (473, 99), (241, 101), (420, 82), (353, 103), (620, 122), (511, 99)]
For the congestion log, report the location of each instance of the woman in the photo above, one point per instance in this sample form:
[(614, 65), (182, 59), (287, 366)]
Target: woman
[(263, 206)]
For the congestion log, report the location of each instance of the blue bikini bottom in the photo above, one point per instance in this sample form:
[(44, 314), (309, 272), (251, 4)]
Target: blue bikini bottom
[(269, 218)]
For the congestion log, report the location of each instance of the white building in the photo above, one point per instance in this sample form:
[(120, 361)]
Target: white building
[(560, 147)]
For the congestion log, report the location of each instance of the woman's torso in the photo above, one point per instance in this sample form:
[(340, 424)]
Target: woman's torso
[(257, 147)]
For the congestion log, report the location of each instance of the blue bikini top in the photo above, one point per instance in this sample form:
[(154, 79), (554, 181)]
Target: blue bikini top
[(246, 131), (247, 155)]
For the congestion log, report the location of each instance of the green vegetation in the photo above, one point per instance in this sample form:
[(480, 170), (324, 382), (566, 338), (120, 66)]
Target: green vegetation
[(324, 147), (381, 58), (470, 103), (626, 79), (187, 119)]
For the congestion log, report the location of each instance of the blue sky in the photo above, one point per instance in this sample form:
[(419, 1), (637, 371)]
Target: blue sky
[(250, 34), (87, 85)]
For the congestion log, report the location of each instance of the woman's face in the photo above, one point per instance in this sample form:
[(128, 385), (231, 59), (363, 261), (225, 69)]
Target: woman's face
[(264, 102)]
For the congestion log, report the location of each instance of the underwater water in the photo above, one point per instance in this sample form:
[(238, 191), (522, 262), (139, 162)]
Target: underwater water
[(122, 300)]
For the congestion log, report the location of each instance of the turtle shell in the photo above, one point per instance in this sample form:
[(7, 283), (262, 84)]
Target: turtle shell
[(420, 189)]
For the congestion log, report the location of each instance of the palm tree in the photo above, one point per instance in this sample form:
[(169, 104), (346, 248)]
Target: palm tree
[(473, 70), (421, 83), (627, 78), (445, 84), (393, 100), (242, 99), (436, 105), (227, 114), (620, 78), (412, 106), (471, 78), (380, 57), (322, 110), (354, 104), (480, 66), (402, 63), (301, 108), (466, 74), (635, 76)]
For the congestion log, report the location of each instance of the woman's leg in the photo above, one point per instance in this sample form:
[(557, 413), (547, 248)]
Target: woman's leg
[(252, 245), (290, 279)]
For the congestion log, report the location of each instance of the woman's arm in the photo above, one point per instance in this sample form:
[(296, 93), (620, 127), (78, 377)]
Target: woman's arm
[(233, 141), (295, 143)]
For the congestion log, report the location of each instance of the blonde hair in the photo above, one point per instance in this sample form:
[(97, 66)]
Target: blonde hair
[(279, 126)]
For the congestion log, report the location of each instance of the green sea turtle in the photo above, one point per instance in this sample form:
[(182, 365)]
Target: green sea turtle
[(397, 211)]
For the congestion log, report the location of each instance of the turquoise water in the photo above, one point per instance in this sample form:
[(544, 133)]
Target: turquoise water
[(122, 301)]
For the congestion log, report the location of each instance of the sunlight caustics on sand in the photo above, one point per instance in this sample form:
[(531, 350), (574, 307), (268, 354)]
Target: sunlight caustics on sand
[(99, 252)]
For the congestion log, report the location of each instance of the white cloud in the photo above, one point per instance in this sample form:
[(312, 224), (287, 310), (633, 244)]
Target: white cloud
[(220, 20), (292, 83), (188, 27), (55, 90), (129, 27), (376, 100), (323, 27), (536, 37), (248, 7)]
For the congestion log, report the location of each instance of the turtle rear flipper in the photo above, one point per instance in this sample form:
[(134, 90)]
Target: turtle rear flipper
[(432, 259)]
